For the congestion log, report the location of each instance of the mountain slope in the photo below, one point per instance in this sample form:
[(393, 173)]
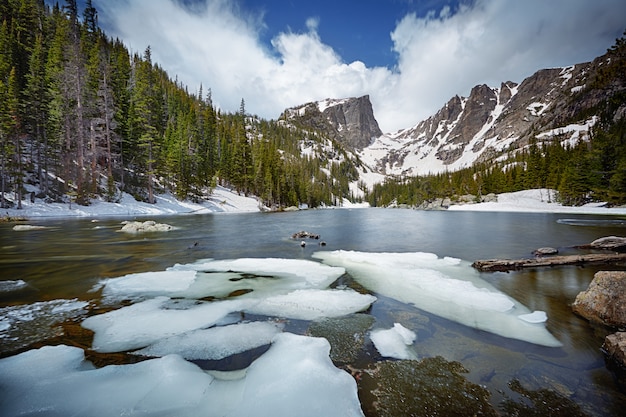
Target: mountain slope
[(350, 121), (558, 103)]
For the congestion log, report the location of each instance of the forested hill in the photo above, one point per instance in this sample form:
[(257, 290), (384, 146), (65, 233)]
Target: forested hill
[(83, 118)]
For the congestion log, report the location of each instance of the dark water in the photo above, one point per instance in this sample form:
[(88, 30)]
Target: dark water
[(68, 258)]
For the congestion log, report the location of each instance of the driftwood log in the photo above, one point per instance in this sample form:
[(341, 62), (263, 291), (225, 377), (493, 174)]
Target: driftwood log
[(493, 265)]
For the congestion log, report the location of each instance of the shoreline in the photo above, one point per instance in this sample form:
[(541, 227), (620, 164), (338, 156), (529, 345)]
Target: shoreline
[(224, 201)]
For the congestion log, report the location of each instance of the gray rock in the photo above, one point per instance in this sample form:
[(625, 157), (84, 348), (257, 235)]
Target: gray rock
[(350, 121), (615, 243), (545, 251), (614, 348), (604, 301)]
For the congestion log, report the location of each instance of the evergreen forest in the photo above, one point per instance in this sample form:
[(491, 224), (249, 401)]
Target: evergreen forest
[(81, 117)]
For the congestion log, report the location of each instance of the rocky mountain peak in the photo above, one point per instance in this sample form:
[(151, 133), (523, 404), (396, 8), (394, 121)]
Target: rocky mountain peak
[(551, 104), (350, 121)]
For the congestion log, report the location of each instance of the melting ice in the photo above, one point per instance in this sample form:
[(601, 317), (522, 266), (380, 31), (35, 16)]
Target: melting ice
[(446, 287), (294, 377), (394, 342), (171, 318)]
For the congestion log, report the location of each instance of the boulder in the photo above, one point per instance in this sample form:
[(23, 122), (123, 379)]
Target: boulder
[(303, 234), (147, 226), (545, 251), (614, 348), (604, 301), (615, 243)]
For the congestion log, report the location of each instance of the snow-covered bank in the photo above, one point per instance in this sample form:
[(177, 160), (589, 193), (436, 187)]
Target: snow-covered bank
[(222, 200), (536, 201), (226, 201)]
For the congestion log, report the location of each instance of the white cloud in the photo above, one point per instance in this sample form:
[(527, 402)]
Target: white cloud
[(442, 54)]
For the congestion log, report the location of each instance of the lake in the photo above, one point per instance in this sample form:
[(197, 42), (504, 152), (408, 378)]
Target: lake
[(70, 257)]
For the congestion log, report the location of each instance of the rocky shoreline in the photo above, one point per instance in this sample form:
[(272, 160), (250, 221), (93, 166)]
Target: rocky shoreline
[(604, 301)]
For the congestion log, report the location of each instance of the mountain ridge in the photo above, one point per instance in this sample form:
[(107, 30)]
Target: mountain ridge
[(551, 104)]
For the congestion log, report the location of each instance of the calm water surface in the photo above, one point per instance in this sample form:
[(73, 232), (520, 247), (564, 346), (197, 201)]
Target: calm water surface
[(67, 260)]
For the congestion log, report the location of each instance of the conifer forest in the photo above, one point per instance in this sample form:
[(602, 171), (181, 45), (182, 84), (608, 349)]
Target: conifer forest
[(81, 117)]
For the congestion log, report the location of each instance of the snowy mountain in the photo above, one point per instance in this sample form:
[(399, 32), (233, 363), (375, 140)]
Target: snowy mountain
[(350, 121), (552, 104)]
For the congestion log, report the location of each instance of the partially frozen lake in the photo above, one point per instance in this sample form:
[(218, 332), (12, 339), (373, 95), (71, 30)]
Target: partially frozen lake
[(226, 314)]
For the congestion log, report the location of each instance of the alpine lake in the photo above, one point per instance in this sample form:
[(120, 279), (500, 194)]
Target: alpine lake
[(458, 369)]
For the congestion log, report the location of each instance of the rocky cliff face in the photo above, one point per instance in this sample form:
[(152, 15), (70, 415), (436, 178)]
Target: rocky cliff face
[(350, 121), (552, 104)]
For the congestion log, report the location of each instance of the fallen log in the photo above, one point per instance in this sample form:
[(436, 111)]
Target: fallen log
[(494, 265)]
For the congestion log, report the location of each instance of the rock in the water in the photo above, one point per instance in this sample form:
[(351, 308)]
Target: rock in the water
[(304, 234), (545, 251), (614, 348), (147, 226), (615, 243), (604, 301)]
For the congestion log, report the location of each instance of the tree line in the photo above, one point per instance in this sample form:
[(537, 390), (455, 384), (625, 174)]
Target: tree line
[(586, 171), (81, 117)]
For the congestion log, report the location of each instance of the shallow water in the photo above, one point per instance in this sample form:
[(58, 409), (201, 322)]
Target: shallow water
[(68, 258)]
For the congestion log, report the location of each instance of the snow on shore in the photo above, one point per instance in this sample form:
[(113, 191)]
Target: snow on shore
[(536, 201), (226, 201), (222, 200)]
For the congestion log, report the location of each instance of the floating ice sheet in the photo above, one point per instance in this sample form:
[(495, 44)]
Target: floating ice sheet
[(300, 273), (394, 342), (313, 304), (294, 377), (446, 287), (12, 285), (220, 278), (216, 342), (144, 323)]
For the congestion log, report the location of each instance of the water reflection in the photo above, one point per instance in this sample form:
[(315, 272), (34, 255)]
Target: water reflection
[(69, 258)]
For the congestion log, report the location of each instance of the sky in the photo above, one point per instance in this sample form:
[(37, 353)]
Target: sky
[(409, 56)]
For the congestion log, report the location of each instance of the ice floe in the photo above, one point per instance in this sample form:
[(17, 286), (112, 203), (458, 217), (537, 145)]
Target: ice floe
[(216, 342), (294, 377), (220, 278), (142, 324), (27, 227), (313, 304), (394, 342), (171, 305), (12, 285), (446, 287)]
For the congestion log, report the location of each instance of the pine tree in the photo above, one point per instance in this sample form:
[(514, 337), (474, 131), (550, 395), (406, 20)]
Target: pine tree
[(144, 104)]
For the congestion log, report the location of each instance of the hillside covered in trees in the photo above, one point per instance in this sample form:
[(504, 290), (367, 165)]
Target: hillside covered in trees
[(581, 170), (82, 118)]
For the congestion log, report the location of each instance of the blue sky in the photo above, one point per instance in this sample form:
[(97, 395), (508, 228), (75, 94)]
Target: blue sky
[(410, 56), (357, 30)]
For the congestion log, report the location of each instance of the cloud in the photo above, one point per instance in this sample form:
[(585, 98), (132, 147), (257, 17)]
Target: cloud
[(444, 53)]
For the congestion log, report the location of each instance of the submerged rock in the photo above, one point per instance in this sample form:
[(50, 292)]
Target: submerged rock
[(541, 402), (545, 251), (346, 335), (603, 302), (430, 387)]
